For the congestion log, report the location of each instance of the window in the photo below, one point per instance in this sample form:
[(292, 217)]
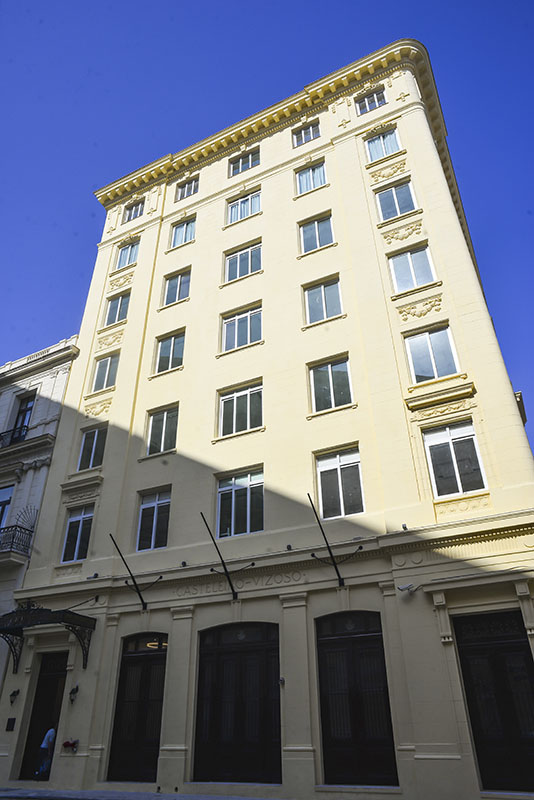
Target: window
[(162, 430), (339, 479), (395, 201), (183, 232), (170, 352), (187, 188), (453, 459), (322, 301), (370, 102), (306, 134), (241, 329), (241, 410), (240, 504), (177, 287), (118, 308), (128, 255), (245, 161), (330, 385), (411, 269), (24, 412), (383, 145), (154, 520), (244, 207), (315, 234), (244, 262), (310, 178), (6, 492), (106, 372), (78, 532), (431, 355), (92, 451), (134, 210)]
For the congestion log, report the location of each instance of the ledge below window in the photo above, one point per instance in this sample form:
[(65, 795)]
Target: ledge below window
[(384, 159), (331, 410), (177, 246), (401, 217), (239, 433), (449, 394), (241, 278), (99, 392), (477, 503), (238, 349), (317, 250), (165, 372), (231, 224), (322, 321), (175, 303), (159, 453), (309, 191), (432, 285)]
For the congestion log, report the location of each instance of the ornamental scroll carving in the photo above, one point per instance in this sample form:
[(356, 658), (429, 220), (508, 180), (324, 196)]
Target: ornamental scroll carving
[(448, 408), (399, 234), (81, 497), (113, 219), (153, 199), (120, 281), (368, 86), (470, 505), (109, 340), (420, 309), (388, 172), (95, 409)]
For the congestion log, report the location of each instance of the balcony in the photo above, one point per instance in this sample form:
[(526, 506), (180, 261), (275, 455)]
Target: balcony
[(13, 436), (15, 541)]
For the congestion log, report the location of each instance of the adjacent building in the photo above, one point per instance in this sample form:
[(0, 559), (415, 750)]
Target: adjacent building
[(290, 307)]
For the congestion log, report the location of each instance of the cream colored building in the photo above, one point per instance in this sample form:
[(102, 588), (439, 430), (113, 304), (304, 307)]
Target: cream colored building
[(290, 306)]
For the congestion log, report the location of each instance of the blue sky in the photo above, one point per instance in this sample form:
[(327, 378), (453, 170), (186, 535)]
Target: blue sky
[(91, 91)]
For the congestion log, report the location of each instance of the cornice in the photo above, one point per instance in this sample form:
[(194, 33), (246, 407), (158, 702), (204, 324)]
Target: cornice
[(30, 446), (38, 363)]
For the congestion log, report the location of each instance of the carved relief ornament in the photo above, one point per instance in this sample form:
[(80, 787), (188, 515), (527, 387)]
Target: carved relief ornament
[(120, 281), (399, 234), (109, 340), (420, 309), (441, 411), (95, 409), (468, 505), (389, 171)]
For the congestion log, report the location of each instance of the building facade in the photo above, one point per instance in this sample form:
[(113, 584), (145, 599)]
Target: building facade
[(290, 307)]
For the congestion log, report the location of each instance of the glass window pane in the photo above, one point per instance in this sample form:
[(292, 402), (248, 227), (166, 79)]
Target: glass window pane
[(362, 106), (256, 508), (404, 198), (314, 298), (145, 528), (375, 148), (225, 513), (87, 449), (228, 416), (164, 354), (321, 387), (112, 372), (178, 351), (229, 334), (98, 454), (112, 311), (255, 204), (309, 237), (241, 412), (178, 235), (422, 363), (319, 177), (330, 493), (255, 255), (171, 426), (71, 540), (133, 252), (325, 231), (468, 466), (156, 433), (185, 280), (85, 533), (333, 302), (232, 268), (371, 102), (387, 204), (402, 272), (123, 308), (243, 263), (304, 180), (255, 158), (172, 289), (255, 326), (255, 409), (240, 511), (233, 212), (380, 98), (442, 466), (441, 348), (242, 331), (390, 142), (162, 524), (340, 381), (100, 375), (352, 490), (421, 267), (244, 207)]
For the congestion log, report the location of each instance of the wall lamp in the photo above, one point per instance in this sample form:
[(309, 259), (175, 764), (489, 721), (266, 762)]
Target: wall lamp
[(408, 587), (13, 696), (73, 693)]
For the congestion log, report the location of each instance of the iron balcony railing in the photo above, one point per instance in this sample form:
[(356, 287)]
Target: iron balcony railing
[(17, 539), (13, 436)]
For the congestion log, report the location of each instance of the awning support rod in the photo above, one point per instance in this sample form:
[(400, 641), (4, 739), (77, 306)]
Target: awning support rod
[(225, 568), (135, 586), (340, 580)]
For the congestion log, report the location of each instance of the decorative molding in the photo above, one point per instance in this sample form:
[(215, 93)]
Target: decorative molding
[(441, 411), (388, 172), (113, 219), (404, 232), (420, 309), (129, 239), (442, 616), (120, 281), (95, 409), (153, 199), (466, 505), (402, 96), (526, 603), (81, 497), (382, 128), (448, 395), (368, 86), (108, 341), (37, 463)]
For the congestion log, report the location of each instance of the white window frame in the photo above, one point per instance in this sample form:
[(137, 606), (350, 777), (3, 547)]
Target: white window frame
[(374, 95), (156, 504), (321, 285), (111, 366), (188, 227), (381, 138), (409, 254), (79, 514), (131, 252), (100, 432), (248, 480), (165, 413), (235, 317), (328, 461), (5, 505), (446, 435), (122, 299), (329, 364), (428, 337), (311, 169), (233, 395), (180, 276), (187, 188), (240, 204), (172, 337), (243, 161), (134, 210), (393, 189), (307, 133), (237, 254), (316, 222)]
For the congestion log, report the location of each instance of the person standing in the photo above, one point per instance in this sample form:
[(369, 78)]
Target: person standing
[(46, 751)]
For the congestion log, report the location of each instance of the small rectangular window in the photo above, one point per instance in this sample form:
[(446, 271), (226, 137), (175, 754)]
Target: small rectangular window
[(243, 207), (6, 493), (154, 520), (431, 355), (330, 385), (22, 420), (310, 178), (92, 450), (183, 232), (170, 352), (315, 234), (396, 201), (411, 269), (243, 262), (106, 372), (240, 504), (187, 188), (78, 533), (453, 460), (306, 134), (134, 210), (162, 430), (241, 329), (340, 488), (385, 144), (177, 287), (245, 161), (241, 410), (322, 301), (118, 308), (128, 255), (370, 102)]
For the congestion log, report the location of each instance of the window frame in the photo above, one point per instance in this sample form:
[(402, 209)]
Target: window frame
[(428, 334), (111, 358), (120, 298), (394, 189), (132, 207), (237, 254), (308, 126), (381, 137), (338, 455), (236, 316), (227, 395), (130, 248), (374, 94), (310, 168), (241, 161), (428, 432), (80, 518), (151, 416), (156, 504), (322, 284), (180, 274), (237, 201), (159, 341), (184, 223), (341, 359), (409, 253), (100, 432), (249, 473), (315, 221), (194, 182), (5, 505)]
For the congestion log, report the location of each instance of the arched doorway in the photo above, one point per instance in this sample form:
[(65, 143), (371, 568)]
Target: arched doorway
[(137, 726), (357, 736), (238, 704)]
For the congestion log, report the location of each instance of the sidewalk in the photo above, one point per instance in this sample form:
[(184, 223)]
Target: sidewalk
[(16, 793)]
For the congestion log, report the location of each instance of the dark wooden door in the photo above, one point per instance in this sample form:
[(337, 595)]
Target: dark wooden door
[(238, 705), (357, 736), (498, 675), (45, 712), (136, 732)]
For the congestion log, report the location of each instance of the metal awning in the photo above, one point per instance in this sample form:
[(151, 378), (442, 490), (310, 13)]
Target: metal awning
[(12, 627)]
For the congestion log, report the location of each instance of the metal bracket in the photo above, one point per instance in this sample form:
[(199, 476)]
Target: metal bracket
[(83, 636), (14, 643)]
